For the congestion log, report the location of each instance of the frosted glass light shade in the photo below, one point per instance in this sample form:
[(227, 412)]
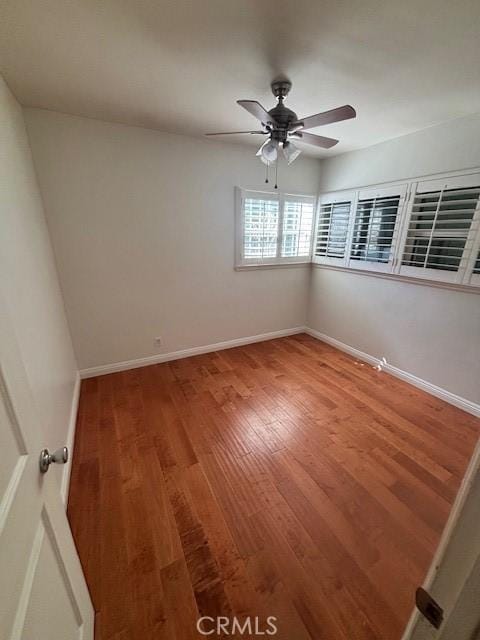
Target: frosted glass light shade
[(290, 151), (270, 150)]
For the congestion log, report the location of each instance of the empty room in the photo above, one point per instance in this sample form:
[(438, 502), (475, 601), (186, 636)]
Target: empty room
[(239, 320)]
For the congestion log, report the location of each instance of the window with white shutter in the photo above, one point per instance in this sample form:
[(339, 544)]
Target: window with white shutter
[(441, 227), (434, 234), (260, 226), (333, 221), (375, 228), (273, 228), (297, 226)]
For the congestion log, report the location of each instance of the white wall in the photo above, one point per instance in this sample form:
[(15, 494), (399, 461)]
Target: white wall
[(446, 147), (430, 332), (143, 228), (142, 225), (29, 280)]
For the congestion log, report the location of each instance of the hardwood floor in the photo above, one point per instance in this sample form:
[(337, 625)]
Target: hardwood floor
[(277, 479)]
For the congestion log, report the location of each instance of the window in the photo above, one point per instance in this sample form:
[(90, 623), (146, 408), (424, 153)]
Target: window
[(332, 227), (374, 235), (297, 227), (273, 228), (441, 228), (260, 228), (427, 228)]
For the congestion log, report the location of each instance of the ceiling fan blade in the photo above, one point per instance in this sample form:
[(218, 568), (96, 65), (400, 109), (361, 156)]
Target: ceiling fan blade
[(317, 141), (256, 109), (327, 117), (231, 133)]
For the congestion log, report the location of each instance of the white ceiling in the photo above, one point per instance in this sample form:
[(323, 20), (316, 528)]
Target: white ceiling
[(180, 65)]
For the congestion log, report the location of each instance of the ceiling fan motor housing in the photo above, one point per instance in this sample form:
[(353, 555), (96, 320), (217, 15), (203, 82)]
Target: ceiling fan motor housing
[(282, 118), (280, 88)]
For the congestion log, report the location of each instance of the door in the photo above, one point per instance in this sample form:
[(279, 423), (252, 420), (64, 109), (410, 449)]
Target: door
[(43, 594), (454, 577)]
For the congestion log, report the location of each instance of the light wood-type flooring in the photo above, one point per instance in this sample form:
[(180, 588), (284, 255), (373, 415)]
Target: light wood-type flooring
[(280, 479)]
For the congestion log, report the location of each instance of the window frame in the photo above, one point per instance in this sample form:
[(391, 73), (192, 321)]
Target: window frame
[(253, 263)]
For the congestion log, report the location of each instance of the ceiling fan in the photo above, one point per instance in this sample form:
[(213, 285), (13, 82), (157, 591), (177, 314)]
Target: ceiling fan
[(282, 126)]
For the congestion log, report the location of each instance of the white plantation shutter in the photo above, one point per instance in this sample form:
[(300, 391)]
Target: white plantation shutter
[(334, 214), (375, 228), (434, 234), (297, 226), (273, 227), (260, 236), (441, 228)]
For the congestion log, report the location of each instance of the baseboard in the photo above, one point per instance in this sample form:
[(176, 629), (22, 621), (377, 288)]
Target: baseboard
[(70, 439), (434, 390), (356, 353), (439, 392), (186, 353)]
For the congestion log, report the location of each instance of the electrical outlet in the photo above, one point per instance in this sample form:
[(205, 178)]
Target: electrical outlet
[(158, 341)]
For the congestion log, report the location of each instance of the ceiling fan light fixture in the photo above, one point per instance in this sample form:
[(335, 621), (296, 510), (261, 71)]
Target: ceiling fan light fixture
[(290, 151), (260, 155), (269, 151)]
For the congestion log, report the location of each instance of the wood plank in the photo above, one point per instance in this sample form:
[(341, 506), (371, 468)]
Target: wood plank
[(282, 479)]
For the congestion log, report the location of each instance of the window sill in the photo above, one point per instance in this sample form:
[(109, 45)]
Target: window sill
[(272, 265), (467, 288)]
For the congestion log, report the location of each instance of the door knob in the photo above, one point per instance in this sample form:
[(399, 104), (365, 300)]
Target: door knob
[(60, 456)]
